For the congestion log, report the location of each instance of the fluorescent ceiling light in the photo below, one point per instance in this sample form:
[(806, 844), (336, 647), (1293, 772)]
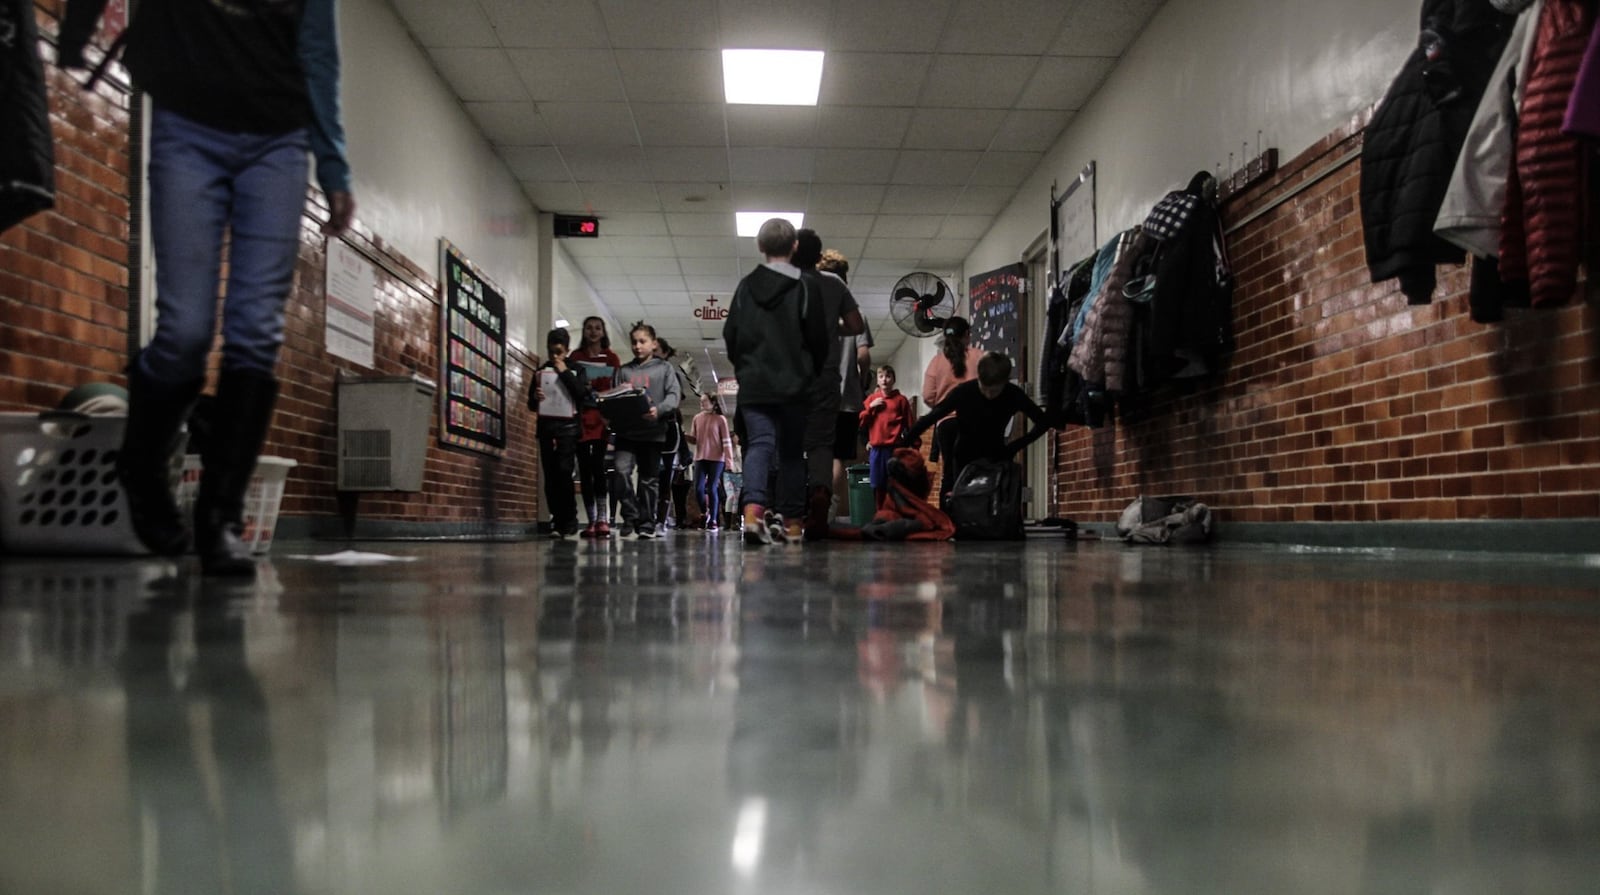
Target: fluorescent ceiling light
[(749, 223), (772, 77)]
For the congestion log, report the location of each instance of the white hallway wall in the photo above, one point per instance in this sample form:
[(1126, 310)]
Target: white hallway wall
[(1201, 80), (423, 170)]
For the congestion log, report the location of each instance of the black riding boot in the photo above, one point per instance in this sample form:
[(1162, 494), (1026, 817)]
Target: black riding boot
[(242, 415), (156, 412)]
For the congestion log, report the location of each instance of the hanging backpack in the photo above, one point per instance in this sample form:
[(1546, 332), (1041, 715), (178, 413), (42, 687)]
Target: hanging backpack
[(986, 503)]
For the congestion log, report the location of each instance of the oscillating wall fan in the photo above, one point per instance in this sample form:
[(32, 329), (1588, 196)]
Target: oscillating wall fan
[(921, 303)]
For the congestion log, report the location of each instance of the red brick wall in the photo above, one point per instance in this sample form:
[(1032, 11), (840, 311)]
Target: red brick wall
[(1343, 403), (64, 321)]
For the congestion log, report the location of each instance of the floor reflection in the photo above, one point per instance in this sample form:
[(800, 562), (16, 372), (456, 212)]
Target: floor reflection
[(687, 716)]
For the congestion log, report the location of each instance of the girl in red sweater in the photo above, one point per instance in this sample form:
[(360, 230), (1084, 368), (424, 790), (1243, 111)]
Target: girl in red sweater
[(885, 417)]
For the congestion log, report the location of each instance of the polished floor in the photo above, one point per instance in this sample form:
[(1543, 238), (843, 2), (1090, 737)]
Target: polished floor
[(684, 716)]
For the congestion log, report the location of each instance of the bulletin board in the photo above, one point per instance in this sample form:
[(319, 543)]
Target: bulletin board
[(1072, 221), (996, 300), (472, 323)]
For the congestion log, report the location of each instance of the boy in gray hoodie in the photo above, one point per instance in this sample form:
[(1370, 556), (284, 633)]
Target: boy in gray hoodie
[(639, 442), (776, 336)]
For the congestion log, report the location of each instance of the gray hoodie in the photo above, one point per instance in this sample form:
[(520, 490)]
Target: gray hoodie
[(658, 379)]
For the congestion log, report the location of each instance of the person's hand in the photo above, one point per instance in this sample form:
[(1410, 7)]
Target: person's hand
[(558, 359), (341, 212), (651, 414), (538, 393), (875, 404)]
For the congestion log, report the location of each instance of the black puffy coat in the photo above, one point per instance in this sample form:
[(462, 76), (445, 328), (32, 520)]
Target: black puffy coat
[(27, 156), (1411, 146)]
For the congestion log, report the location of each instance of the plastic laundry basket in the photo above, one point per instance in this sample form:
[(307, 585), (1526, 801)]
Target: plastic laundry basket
[(58, 485), (261, 502)]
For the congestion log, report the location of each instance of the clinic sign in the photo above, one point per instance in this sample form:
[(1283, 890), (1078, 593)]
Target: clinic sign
[(711, 308)]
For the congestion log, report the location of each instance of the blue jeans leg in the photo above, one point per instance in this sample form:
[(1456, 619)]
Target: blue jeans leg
[(776, 439), (205, 183)]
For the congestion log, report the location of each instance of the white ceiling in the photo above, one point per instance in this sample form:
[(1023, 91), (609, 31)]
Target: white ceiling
[(932, 114)]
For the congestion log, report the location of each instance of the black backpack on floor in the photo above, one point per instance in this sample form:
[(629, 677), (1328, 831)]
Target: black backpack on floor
[(986, 503)]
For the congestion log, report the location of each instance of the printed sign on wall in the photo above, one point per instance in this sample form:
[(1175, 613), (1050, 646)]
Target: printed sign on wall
[(473, 327), (350, 303)]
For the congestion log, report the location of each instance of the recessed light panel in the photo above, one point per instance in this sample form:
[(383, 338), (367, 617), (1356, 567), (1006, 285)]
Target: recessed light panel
[(772, 77), (749, 222)]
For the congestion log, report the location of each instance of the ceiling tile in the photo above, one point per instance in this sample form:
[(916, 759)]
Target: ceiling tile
[(862, 127), (544, 23), (770, 196), (683, 164), (771, 126), (661, 24), (705, 247), (978, 82), (620, 300), (659, 282), (595, 269), (535, 163), (890, 26), (845, 198), (1021, 27), (680, 124), (895, 248), (855, 165), (986, 200), (435, 24), (948, 251), (1065, 82), (555, 196), (613, 197), (965, 226), (479, 75), (625, 247), (590, 124), (1104, 29), (775, 24), (761, 165), (605, 164), (665, 299), (513, 124), (873, 79), (940, 168), (585, 248), (713, 266), (836, 226), (906, 226), (675, 76), (1030, 131), (919, 199), (695, 197), (1005, 168), (701, 224), (648, 268), (890, 269), (710, 284), (951, 128), (634, 224), (552, 75)]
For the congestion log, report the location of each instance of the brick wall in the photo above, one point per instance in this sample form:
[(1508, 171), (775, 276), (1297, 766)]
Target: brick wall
[(1343, 403), (64, 321)]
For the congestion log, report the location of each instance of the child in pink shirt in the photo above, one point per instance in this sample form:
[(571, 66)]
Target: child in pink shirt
[(713, 447)]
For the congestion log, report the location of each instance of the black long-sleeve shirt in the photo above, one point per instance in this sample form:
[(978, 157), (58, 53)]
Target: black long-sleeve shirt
[(981, 422)]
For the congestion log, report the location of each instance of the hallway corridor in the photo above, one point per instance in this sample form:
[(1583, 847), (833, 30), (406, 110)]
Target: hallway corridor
[(685, 716)]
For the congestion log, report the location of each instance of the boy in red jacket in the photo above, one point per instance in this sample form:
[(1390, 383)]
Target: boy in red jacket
[(885, 417)]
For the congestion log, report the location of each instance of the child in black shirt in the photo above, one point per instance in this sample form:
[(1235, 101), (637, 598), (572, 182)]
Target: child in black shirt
[(984, 408)]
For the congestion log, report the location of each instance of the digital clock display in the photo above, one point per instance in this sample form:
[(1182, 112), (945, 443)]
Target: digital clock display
[(570, 226)]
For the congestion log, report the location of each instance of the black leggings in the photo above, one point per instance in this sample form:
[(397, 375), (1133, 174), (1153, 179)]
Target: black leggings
[(592, 477), (946, 434)]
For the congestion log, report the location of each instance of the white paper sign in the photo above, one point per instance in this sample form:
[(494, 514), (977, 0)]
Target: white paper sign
[(557, 403), (352, 303)]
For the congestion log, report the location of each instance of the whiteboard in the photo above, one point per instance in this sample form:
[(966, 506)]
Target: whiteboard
[(1074, 223)]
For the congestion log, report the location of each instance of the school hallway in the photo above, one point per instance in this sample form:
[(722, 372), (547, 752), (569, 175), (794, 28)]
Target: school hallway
[(688, 716)]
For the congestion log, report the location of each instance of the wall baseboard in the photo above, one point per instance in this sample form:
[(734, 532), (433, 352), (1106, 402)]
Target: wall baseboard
[(1489, 535), (329, 528)]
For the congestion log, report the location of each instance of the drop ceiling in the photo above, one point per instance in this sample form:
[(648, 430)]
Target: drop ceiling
[(932, 114)]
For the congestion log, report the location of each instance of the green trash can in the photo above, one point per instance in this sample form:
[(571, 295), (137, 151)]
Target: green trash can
[(862, 504)]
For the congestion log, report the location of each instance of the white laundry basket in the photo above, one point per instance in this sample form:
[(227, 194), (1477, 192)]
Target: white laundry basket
[(261, 502)]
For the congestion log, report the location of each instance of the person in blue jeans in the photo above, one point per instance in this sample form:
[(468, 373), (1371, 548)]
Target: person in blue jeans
[(241, 91)]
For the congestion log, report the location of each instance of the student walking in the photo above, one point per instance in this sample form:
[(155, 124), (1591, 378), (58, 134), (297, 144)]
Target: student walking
[(640, 441), (713, 449), (776, 338), (886, 416), (558, 433), (599, 364), (240, 94)]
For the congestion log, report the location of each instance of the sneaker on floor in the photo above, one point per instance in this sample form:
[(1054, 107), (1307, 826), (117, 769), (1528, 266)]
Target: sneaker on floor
[(557, 534), (645, 534), (795, 533), (588, 530), (602, 530), (755, 526), (777, 532)]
